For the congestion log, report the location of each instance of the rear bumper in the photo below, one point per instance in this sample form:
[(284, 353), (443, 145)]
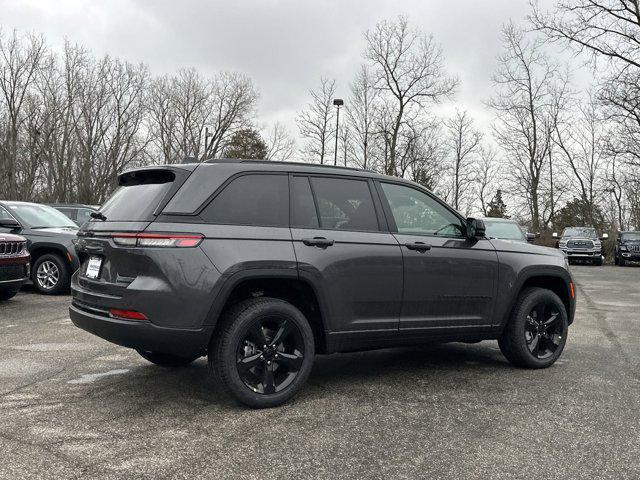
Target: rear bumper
[(12, 284), (142, 335)]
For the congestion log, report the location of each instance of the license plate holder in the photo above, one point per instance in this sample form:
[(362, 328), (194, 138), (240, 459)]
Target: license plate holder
[(93, 267)]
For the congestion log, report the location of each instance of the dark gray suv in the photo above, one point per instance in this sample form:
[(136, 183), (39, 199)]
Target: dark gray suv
[(261, 265)]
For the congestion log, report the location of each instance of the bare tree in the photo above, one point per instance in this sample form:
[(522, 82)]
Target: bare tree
[(608, 30), (580, 140), (420, 152), (280, 145), (361, 116), (20, 64), (530, 93), (162, 119), (463, 142), (316, 120), (487, 171), (231, 108), (408, 66)]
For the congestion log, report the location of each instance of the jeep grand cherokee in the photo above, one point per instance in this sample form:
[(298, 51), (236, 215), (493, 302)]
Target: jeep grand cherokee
[(261, 265)]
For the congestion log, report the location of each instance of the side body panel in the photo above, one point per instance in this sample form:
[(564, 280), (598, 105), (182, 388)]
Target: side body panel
[(451, 286), (360, 276)]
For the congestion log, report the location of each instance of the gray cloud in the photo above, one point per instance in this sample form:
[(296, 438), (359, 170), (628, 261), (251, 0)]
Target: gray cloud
[(283, 45)]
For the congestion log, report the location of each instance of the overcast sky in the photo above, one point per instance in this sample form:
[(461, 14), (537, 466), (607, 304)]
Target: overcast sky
[(283, 45)]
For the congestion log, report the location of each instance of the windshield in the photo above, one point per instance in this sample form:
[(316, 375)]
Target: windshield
[(580, 232), (40, 216), (504, 230), (630, 236)]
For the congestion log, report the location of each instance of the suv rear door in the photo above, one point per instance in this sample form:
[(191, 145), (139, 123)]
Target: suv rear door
[(342, 248), (449, 280)]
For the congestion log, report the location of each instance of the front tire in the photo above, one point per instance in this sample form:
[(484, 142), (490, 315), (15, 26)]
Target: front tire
[(50, 275), (622, 262), (166, 359), (598, 262), (536, 333), (263, 351)]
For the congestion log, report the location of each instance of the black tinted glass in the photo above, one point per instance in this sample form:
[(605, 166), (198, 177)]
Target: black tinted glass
[(304, 213), (345, 204), (416, 212), (138, 196), (251, 200)]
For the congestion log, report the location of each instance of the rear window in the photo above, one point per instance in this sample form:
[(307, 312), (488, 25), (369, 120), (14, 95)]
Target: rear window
[(138, 195)]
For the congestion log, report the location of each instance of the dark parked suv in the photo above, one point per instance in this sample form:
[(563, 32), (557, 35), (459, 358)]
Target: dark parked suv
[(627, 248), (50, 236), (260, 265)]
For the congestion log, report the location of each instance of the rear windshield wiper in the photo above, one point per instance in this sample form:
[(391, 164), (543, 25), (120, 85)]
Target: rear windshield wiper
[(98, 216)]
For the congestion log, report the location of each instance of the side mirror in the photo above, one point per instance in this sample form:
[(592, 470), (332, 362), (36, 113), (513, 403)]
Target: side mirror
[(555, 235), (604, 236), (475, 228), (531, 237), (9, 223)]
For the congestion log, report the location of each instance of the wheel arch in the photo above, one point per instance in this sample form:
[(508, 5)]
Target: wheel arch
[(39, 249), (556, 279), (284, 284)]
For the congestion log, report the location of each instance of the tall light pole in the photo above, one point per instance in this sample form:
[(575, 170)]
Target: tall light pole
[(338, 102), (206, 142)]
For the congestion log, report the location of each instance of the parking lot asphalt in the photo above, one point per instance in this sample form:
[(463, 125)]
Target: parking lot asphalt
[(75, 406)]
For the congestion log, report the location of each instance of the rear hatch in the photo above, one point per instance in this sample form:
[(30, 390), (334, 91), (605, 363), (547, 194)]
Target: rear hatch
[(106, 267)]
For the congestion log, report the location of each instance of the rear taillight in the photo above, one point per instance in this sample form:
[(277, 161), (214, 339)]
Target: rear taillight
[(157, 240)]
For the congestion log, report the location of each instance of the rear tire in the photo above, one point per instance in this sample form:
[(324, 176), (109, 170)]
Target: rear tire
[(535, 340), (7, 294), (166, 359), (50, 275), (262, 353)]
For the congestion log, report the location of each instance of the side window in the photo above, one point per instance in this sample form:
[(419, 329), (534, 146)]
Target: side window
[(69, 212), (251, 200), (416, 212), (303, 208), (345, 204)]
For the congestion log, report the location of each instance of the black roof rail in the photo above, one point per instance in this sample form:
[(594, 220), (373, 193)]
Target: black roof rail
[(273, 162)]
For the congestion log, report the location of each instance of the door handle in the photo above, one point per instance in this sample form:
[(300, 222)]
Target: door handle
[(318, 242), (418, 246)]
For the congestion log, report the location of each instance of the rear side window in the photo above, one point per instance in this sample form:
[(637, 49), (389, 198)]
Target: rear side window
[(344, 204), (261, 200), (138, 195)]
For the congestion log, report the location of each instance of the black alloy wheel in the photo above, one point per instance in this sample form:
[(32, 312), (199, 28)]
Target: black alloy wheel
[(543, 330), (537, 330), (270, 354), (262, 352)]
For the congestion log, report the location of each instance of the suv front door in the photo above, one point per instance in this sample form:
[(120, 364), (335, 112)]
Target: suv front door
[(449, 280), (342, 249)]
